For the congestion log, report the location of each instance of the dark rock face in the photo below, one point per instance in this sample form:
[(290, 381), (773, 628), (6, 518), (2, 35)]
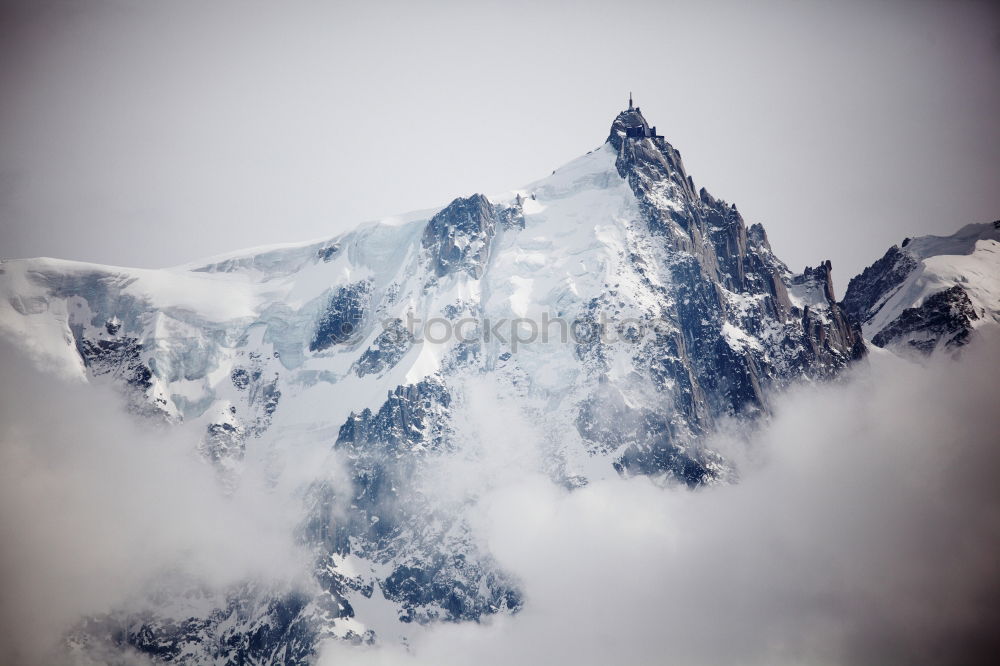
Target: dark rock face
[(252, 626), (240, 378), (832, 333), (412, 416), (943, 318), (895, 297), (512, 217), (328, 252), (387, 350), (733, 332), (867, 292), (343, 318), (458, 238), (120, 358)]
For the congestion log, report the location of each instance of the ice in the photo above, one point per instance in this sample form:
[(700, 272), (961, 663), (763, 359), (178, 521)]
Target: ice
[(970, 258), (738, 339)]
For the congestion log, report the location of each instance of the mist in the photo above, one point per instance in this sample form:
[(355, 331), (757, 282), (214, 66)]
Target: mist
[(864, 530), (99, 510)]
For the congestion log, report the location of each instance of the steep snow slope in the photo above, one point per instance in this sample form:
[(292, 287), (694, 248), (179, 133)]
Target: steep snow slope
[(611, 308), (931, 291)]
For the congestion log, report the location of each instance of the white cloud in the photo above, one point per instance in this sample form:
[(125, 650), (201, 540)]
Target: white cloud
[(864, 529), (864, 532), (95, 507)]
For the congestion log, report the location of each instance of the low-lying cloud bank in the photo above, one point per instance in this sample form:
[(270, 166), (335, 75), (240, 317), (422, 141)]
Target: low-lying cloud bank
[(97, 508), (865, 531)]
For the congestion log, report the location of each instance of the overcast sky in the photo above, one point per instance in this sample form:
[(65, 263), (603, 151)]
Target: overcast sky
[(144, 135)]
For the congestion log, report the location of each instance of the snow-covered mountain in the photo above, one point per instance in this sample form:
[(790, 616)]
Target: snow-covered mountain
[(612, 306), (930, 292)]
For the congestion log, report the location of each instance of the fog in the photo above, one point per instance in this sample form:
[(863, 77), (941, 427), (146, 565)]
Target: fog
[(864, 530), (98, 510)]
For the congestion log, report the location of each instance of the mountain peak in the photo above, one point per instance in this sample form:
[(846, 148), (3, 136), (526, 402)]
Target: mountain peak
[(617, 312), (919, 295), (631, 124)]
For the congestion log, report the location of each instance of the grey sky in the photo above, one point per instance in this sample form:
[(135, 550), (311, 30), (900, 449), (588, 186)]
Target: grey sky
[(148, 136)]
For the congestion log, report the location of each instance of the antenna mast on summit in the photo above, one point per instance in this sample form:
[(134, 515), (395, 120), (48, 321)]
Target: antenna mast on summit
[(630, 100)]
